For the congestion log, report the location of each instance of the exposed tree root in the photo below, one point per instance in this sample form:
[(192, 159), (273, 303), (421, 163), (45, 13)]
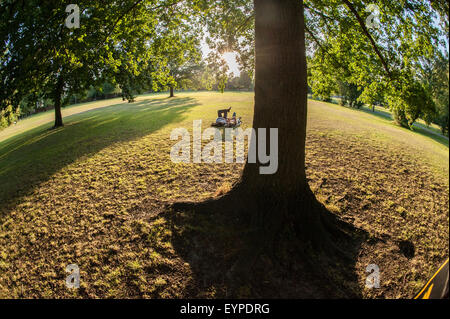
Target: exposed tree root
[(55, 127)]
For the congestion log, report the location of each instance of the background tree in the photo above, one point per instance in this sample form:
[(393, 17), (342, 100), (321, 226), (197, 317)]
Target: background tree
[(436, 78), (245, 81), (241, 82), (373, 95), (184, 64), (219, 69)]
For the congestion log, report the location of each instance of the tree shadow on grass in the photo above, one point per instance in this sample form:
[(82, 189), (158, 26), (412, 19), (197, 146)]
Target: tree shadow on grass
[(211, 243), (33, 156)]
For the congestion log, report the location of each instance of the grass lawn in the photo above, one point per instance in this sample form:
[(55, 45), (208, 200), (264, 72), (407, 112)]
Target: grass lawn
[(93, 193)]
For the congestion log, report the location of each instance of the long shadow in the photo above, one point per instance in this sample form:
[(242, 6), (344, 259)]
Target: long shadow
[(211, 243), (33, 156)]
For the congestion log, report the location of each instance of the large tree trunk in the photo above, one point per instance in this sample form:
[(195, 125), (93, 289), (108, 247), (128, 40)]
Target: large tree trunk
[(171, 91), (281, 203), (57, 101), (280, 92)]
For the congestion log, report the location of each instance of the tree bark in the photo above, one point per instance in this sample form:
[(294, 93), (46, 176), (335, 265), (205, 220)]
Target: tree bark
[(280, 93), (171, 91), (57, 101)]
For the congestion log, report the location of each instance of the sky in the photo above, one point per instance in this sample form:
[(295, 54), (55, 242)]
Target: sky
[(229, 57)]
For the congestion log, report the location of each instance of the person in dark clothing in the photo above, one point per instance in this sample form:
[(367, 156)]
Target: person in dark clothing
[(223, 113)]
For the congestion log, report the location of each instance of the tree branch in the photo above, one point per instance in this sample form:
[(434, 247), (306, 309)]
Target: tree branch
[(120, 18), (369, 36), (335, 60), (244, 23), (313, 10)]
